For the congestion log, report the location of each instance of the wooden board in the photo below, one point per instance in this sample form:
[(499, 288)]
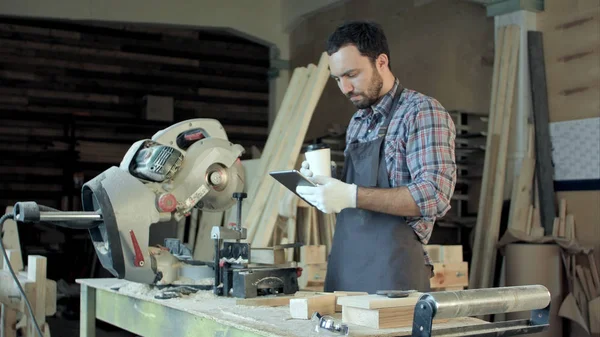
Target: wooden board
[(450, 275), (543, 153), (377, 301)]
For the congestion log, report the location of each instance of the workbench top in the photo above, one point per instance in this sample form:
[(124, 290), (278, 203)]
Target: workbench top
[(204, 305)]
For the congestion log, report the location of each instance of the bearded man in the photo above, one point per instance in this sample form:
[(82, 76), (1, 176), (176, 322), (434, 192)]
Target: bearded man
[(399, 172)]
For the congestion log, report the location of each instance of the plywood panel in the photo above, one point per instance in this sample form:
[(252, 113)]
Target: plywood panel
[(572, 51)]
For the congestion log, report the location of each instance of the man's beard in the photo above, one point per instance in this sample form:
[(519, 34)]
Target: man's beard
[(371, 96)]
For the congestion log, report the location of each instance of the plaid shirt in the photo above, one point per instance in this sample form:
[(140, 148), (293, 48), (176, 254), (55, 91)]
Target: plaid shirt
[(419, 152)]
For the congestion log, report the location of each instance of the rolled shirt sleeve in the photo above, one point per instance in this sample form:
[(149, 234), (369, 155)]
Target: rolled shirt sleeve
[(430, 157)]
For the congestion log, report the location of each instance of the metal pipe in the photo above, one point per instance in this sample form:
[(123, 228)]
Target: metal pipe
[(69, 216), (487, 301)]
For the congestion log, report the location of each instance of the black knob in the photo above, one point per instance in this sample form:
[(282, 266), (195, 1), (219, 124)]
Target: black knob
[(240, 195)]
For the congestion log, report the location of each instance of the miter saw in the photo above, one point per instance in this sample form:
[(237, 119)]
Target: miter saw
[(191, 164)]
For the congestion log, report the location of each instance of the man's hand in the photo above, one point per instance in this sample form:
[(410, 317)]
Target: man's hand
[(330, 195)]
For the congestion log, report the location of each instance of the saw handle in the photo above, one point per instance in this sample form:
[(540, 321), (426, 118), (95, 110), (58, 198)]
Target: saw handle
[(31, 212)]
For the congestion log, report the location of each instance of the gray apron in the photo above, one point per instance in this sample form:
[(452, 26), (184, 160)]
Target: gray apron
[(371, 250)]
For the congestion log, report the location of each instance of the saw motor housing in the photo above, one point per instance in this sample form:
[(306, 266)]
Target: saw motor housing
[(190, 164)]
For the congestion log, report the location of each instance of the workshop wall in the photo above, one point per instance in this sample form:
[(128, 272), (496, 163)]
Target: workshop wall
[(442, 48), (572, 49)]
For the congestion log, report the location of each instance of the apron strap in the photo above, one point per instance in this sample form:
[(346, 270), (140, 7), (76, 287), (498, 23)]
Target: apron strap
[(397, 98)]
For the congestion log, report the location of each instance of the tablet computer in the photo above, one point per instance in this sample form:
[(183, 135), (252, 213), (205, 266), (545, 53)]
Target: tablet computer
[(291, 179)]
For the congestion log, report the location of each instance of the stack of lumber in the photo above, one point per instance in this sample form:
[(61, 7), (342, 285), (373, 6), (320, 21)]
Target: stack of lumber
[(281, 151), (450, 271), (492, 184)]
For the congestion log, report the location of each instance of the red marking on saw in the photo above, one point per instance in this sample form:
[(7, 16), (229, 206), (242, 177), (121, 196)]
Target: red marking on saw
[(139, 257)]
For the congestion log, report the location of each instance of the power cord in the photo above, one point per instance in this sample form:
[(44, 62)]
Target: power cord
[(14, 276)]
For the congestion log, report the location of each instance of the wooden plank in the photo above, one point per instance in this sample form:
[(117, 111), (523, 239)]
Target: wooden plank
[(489, 160), (378, 301), (490, 206), (544, 170), (521, 196), (292, 144), (297, 81)]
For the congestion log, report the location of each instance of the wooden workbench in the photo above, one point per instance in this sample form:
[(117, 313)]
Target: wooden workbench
[(133, 307)]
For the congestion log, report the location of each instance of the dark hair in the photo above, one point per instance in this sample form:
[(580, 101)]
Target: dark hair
[(367, 36)]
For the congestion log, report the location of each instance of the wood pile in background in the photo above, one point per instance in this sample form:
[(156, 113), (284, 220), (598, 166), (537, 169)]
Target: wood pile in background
[(74, 96), (282, 150)]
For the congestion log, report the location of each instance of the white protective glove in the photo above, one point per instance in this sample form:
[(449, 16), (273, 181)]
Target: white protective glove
[(305, 169), (330, 195)]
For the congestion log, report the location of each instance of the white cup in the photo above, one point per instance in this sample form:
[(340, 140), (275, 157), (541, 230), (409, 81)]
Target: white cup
[(319, 159)]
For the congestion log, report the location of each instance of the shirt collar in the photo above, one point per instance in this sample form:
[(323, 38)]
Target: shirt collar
[(383, 106)]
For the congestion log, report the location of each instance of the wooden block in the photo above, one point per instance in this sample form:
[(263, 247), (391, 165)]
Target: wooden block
[(267, 256), (450, 275), (313, 254), (338, 308), (304, 308), (377, 301)]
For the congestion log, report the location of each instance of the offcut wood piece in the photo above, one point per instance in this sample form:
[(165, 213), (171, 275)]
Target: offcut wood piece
[(303, 308), (450, 275), (492, 191)]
